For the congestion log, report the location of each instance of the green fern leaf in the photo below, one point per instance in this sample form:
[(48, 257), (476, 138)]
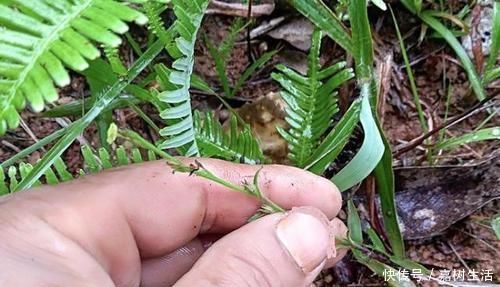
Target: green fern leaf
[(177, 81), (40, 39), (94, 162), (239, 145), (311, 102)]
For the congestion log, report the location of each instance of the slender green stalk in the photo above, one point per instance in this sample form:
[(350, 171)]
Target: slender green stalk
[(428, 18), (268, 206), (77, 127), (384, 174), (145, 117), (495, 36), (411, 78), (36, 146), (446, 112), (488, 118)]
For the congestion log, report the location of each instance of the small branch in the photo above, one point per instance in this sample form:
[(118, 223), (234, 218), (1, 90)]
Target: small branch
[(419, 140)]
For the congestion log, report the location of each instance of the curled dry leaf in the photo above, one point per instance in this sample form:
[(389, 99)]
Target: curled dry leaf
[(297, 32), (239, 9), (430, 199)]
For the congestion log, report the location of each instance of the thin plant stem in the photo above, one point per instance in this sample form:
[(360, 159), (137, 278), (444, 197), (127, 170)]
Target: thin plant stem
[(145, 117), (198, 169), (483, 123), (411, 78), (446, 112)]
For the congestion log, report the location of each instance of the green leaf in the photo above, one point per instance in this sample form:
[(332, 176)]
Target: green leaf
[(409, 264), (379, 156), (93, 162), (495, 224), (261, 61), (180, 131), (384, 175), (476, 136), (411, 78), (40, 41), (36, 146), (239, 144), (77, 127), (220, 67), (495, 36), (390, 275), (354, 223), (362, 40), (491, 75), (377, 243), (474, 79), (334, 142), (370, 153), (221, 53), (200, 84), (325, 19), (311, 103)]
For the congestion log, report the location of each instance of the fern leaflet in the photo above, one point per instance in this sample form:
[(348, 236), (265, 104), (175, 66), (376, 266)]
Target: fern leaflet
[(181, 133), (311, 102), (238, 145), (94, 162), (39, 39)]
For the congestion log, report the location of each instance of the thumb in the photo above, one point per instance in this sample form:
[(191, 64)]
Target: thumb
[(287, 249)]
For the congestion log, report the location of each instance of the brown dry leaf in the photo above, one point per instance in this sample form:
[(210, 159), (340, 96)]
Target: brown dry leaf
[(239, 9), (431, 199), (297, 32)]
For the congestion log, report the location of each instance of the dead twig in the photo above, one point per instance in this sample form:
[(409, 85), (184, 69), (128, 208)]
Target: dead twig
[(239, 9), (419, 140)]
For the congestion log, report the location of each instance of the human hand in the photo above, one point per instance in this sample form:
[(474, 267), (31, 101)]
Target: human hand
[(143, 225)]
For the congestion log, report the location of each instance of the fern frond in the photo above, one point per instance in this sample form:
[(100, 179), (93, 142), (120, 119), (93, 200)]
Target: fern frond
[(181, 134), (40, 39), (239, 145), (153, 11), (94, 162), (311, 102)]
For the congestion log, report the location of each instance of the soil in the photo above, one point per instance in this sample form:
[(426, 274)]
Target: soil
[(469, 244)]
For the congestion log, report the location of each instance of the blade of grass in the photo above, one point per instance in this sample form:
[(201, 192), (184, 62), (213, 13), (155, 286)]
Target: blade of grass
[(74, 108), (389, 274), (220, 66), (449, 93), (495, 36), (370, 153), (411, 78), (495, 224), (77, 127), (476, 136), (384, 173), (377, 243), (145, 118), (324, 18), (34, 147), (105, 118), (257, 64), (431, 21), (354, 223), (491, 75)]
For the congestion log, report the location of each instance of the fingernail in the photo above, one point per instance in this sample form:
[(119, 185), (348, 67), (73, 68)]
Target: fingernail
[(306, 237)]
